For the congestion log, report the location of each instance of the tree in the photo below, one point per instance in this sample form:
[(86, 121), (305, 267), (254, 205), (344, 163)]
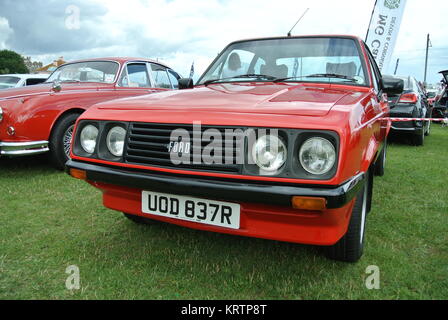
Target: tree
[(11, 62)]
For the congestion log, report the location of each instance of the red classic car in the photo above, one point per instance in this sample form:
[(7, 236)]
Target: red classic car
[(41, 118), (279, 139)]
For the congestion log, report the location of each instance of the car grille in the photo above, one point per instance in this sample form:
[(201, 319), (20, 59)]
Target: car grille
[(147, 144)]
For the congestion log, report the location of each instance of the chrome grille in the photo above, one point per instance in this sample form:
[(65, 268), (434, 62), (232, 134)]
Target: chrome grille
[(147, 144)]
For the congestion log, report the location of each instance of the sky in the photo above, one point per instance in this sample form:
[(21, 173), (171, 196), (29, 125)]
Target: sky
[(179, 32)]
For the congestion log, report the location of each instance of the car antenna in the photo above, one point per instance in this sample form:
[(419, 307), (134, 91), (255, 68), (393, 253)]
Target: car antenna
[(289, 33)]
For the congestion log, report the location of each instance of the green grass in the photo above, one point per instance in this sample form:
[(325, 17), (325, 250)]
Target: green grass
[(49, 221)]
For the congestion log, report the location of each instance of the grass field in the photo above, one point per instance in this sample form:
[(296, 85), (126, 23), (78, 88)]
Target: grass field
[(49, 221)]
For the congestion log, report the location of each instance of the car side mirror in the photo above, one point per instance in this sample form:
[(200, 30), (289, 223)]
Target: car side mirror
[(186, 83), (392, 86), (56, 87)]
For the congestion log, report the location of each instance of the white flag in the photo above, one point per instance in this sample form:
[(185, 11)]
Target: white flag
[(383, 30)]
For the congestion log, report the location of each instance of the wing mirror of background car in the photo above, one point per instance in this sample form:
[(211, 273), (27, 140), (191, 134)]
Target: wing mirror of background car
[(392, 86), (56, 87), (185, 83)]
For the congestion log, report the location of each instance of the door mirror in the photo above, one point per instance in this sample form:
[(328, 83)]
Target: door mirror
[(392, 86), (186, 83), (56, 87)]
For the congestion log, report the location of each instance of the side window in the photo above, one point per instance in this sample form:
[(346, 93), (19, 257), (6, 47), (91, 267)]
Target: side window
[(376, 83), (135, 77), (374, 70), (160, 77), (174, 78)]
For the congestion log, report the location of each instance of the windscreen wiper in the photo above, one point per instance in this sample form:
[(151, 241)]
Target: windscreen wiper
[(331, 75), (250, 75), (319, 75)]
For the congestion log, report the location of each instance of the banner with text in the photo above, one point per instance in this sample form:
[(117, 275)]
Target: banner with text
[(383, 30)]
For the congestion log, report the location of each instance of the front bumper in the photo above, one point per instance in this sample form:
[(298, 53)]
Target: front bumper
[(14, 149), (234, 191), (266, 210)]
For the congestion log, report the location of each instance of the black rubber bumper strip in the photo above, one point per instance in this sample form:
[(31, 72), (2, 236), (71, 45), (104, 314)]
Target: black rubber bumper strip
[(233, 191)]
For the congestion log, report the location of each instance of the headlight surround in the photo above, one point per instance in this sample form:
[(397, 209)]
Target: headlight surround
[(115, 140), (88, 138), (269, 153), (317, 155)]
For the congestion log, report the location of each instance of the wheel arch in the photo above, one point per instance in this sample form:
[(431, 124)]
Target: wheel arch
[(78, 111)]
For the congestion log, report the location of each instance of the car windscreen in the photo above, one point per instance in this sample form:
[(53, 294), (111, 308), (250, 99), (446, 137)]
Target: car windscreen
[(90, 71), (320, 59), (8, 82)]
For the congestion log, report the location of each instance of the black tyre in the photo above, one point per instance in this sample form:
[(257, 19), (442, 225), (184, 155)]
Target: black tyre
[(419, 139), (351, 246), (428, 129), (60, 140), (137, 219), (380, 163)]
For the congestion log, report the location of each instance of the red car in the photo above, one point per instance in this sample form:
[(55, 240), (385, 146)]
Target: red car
[(41, 118), (279, 139)]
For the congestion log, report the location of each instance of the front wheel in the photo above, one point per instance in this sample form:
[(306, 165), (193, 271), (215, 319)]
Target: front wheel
[(419, 139), (351, 246), (428, 129), (380, 164), (60, 140)]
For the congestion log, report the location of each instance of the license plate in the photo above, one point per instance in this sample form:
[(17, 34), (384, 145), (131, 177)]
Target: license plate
[(217, 213)]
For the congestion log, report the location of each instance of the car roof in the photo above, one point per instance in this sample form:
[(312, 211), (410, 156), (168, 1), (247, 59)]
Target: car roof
[(120, 60), (302, 36)]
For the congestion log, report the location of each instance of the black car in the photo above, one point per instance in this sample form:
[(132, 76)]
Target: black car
[(441, 102), (412, 103)]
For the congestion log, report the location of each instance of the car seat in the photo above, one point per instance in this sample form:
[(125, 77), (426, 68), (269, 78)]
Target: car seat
[(278, 71), (346, 69)]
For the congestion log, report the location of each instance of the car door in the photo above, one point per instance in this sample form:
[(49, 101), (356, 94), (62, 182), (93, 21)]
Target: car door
[(135, 79), (379, 101)]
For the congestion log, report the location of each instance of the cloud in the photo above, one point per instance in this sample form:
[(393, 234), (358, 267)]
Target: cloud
[(5, 32)]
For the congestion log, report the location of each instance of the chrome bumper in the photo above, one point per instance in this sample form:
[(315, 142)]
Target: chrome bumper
[(15, 149)]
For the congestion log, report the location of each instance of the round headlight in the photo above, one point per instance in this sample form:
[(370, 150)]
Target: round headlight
[(269, 153), (88, 138), (115, 140), (317, 155)]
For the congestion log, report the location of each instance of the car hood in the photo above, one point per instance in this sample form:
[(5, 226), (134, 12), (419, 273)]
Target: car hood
[(45, 88), (302, 99)]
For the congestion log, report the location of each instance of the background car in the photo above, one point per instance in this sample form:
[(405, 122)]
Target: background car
[(41, 118), (20, 80), (441, 101), (279, 139), (431, 95), (412, 103)]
